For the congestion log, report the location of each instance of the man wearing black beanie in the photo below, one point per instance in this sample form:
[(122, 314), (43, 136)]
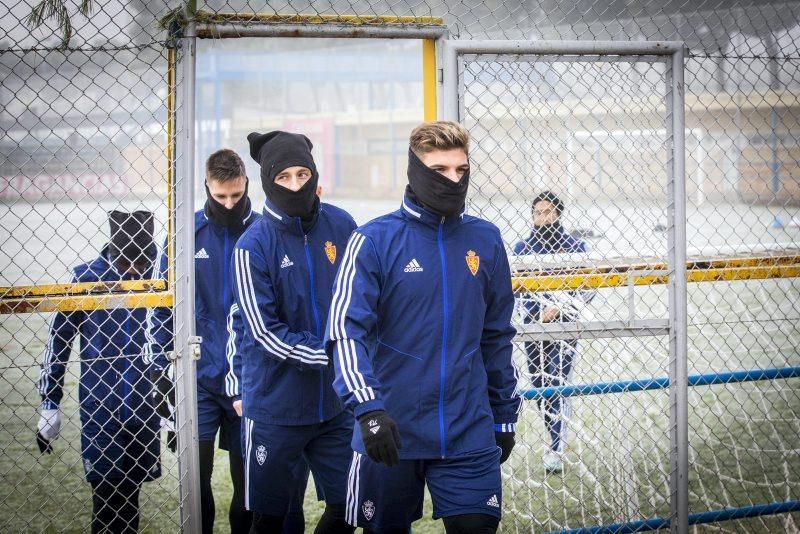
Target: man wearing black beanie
[(120, 446), (283, 270), (227, 213), (288, 174)]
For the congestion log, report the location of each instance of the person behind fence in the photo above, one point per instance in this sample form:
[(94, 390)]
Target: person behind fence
[(283, 271), (224, 218), (420, 334), (120, 446), (551, 362)]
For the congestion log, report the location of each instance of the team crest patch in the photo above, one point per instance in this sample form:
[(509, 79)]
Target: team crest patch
[(330, 251), (473, 262), (369, 509), (261, 454)]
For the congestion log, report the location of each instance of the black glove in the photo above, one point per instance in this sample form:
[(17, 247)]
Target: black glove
[(380, 436), (172, 441), (504, 440), (163, 393), (44, 444)]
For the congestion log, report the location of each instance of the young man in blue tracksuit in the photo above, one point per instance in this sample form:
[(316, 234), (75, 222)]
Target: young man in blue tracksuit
[(120, 445), (283, 271), (420, 334), (550, 362), (224, 218)]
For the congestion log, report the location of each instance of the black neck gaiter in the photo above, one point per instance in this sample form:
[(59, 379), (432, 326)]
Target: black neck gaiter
[(302, 203), (550, 236), (433, 191), (227, 217)]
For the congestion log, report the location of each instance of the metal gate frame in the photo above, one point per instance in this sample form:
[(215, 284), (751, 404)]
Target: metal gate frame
[(183, 62), (187, 346), (675, 327)]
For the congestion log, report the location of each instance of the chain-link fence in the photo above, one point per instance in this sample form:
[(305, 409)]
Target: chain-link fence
[(86, 124), (85, 216), (534, 121)]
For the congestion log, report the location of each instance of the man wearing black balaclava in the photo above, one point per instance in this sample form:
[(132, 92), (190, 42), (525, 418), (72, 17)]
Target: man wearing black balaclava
[(288, 173), (120, 446), (550, 362), (283, 271), (420, 335)]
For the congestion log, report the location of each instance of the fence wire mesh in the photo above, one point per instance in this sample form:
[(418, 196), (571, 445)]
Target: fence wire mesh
[(592, 131), (84, 132), (84, 135)]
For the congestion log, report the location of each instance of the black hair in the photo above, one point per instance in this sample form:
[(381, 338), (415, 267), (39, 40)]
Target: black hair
[(224, 165), (551, 198)]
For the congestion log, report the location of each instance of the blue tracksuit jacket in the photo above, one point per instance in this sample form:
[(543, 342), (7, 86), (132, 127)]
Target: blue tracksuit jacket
[(213, 299), (421, 327), (113, 380), (282, 282), (569, 302)]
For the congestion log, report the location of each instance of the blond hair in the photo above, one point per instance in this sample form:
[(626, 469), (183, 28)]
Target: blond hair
[(438, 135)]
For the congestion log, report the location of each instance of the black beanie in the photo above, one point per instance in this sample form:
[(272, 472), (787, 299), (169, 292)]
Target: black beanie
[(276, 151), (131, 235)]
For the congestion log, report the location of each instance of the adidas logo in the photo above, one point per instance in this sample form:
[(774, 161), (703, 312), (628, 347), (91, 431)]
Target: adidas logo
[(374, 427), (493, 502), (413, 267), (286, 262), (201, 254)]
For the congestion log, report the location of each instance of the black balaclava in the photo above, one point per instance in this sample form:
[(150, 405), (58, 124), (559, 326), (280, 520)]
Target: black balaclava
[(551, 236), (276, 151), (131, 240), (228, 217), (433, 191)]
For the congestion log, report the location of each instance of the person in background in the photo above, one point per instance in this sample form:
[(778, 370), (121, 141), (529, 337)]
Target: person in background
[(120, 445), (551, 362)]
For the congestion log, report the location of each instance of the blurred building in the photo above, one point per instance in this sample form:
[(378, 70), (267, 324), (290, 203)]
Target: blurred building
[(81, 124)]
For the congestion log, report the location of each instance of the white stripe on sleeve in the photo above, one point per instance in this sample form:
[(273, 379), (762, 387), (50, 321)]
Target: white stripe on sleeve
[(267, 339), (231, 381)]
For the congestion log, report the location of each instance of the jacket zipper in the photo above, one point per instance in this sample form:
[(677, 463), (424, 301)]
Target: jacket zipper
[(225, 273), (444, 339), (225, 263), (316, 321)]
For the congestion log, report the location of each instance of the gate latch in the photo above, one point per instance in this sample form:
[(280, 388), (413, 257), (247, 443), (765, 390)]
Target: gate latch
[(194, 347)]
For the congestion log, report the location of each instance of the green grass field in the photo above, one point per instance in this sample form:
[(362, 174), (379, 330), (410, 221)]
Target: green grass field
[(743, 437)]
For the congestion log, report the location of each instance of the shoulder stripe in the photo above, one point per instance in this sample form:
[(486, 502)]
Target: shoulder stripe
[(231, 381), (345, 348), (337, 292)]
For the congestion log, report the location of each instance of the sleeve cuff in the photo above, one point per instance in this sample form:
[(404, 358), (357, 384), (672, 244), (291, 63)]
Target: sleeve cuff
[(369, 406), (236, 398), (505, 427), (500, 419)]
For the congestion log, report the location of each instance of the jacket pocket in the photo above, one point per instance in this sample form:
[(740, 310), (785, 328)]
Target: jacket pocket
[(402, 378)]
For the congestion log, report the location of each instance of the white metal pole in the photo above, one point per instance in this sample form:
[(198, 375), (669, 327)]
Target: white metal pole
[(186, 344), (450, 102), (678, 373)]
